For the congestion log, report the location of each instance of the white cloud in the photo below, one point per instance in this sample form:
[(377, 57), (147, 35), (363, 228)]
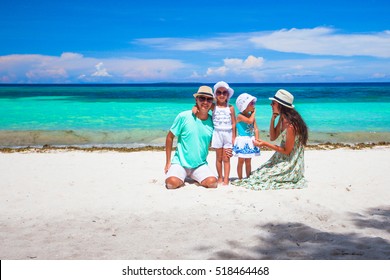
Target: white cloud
[(56, 74), (310, 41), (270, 56), (238, 66), (31, 68), (256, 69), (181, 44), (100, 71), (325, 41), (70, 56), (74, 67), (379, 75), (250, 63)]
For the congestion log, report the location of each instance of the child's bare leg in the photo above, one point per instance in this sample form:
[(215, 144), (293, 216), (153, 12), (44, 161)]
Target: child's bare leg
[(248, 166), (226, 167), (240, 163), (218, 164)]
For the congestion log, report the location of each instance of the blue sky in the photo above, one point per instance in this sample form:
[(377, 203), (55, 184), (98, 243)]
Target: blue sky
[(147, 41)]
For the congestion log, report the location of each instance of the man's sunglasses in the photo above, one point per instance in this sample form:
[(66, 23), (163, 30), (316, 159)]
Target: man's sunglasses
[(204, 98)]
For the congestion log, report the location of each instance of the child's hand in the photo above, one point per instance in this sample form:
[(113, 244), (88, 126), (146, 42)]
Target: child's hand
[(195, 110)]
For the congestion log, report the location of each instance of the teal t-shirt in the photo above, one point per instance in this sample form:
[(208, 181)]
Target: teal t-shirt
[(193, 139)]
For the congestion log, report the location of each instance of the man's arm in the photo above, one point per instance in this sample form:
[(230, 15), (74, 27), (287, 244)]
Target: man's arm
[(168, 150)]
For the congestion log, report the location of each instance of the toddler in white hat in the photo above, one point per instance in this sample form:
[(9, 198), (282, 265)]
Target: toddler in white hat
[(247, 131)]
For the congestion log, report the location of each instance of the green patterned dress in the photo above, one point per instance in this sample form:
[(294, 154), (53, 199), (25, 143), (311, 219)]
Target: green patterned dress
[(279, 172)]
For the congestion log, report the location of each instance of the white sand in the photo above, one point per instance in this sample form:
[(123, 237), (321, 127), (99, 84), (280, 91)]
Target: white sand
[(110, 205)]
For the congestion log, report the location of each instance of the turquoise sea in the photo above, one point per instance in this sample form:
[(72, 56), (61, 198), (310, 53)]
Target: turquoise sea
[(141, 114)]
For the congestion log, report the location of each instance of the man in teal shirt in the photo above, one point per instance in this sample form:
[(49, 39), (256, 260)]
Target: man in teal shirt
[(193, 134)]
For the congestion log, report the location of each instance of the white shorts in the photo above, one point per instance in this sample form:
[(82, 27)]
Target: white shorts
[(222, 139), (198, 174)]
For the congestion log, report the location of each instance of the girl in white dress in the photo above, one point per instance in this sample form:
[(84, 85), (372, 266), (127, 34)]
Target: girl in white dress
[(224, 130)]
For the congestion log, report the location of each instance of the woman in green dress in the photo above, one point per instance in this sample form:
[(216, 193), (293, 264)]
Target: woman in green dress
[(285, 169)]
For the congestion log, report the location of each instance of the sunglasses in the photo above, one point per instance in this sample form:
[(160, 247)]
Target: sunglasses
[(203, 99), (222, 92)]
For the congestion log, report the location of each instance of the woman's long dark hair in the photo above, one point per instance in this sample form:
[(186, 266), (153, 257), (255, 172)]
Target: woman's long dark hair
[(293, 117)]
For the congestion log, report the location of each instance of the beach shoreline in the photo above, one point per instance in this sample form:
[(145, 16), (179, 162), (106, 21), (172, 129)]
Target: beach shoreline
[(122, 149), (103, 205), (142, 138)]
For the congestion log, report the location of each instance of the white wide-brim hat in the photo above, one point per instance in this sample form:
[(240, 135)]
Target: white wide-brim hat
[(224, 85), (243, 101), (205, 91), (284, 98)]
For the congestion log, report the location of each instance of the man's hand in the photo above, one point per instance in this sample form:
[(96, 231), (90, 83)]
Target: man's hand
[(166, 168)]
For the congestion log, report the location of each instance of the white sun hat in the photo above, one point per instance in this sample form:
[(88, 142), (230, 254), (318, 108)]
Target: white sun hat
[(243, 101), (224, 85), (284, 98)]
